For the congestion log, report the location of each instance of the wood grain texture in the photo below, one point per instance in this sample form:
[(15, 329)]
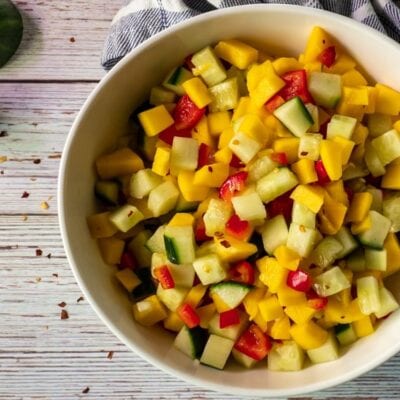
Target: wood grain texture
[(42, 356)]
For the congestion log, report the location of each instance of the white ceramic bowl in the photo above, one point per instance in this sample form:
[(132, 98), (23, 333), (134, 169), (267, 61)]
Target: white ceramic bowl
[(280, 30)]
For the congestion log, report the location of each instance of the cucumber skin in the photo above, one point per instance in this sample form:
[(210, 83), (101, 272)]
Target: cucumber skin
[(199, 337), (170, 250), (146, 288)]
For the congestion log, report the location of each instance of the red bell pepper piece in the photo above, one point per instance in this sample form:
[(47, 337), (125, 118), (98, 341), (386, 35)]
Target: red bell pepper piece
[(164, 277), (204, 155), (323, 177), (242, 272), (315, 301), (200, 231), (254, 343), (237, 228), (327, 57), (127, 261), (236, 162), (299, 280), (282, 205), (228, 318), (296, 85), (280, 158), (188, 315), (233, 184), (188, 62), (187, 114), (167, 135), (274, 102)]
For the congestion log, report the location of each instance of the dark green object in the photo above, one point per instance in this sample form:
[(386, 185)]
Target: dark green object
[(11, 28), (170, 249)]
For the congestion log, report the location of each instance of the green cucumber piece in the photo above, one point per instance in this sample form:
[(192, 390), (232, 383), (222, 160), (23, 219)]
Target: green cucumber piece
[(295, 116), (225, 95), (302, 215), (368, 295), (143, 182), (244, 147), (209, 269), (126, 217), (331, 282), (345, 334), (138, 248), (302, 239), (175, 78), (191, 341), (376, 235), (376, 259), (159, 95), (230, 332), (391, 209), (216, 216), (377, 204), (309, 146), (372, 161), (259, 168), (216, 351), (249, 207), (379, 124), (146, 288), (179, 244), (346, 239), (325, 88), (387, 146), (231, 293), (107, 191), (329, 351), (341, 125), (353, 171), (184, 155), (234, 72), (243, 359), (326, 252), (274, 233), (314, 112), (156, 242), (183, 205), (172, 298), (388, 303), (286, 356), (163, 198)]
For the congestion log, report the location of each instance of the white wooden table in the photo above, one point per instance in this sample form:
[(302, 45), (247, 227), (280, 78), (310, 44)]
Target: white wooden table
[(41, 355)]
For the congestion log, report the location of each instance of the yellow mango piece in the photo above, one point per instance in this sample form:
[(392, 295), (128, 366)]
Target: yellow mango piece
[(289, 146), (247, 106), (362, 226), (272, 274), (372, 96), (360, 134), (149, 311), (223, 155), (252, 126), (173, 322), (128, 279), (331, 215), (305, 171), (218, 122), (287, 258), (345, 296), (286, 64), (263, 83), (111, 249), (310, 196), (100, 225), (363, 327), (237, 53), (197, 92), (353, 77), (155, 120), (337, 312), (356, 95), (280, 329), (300, 313), (387, 100), (358, 154), (270, 308), (219, 304), (314, 66), (391, 179), (308, 335), (196, 293), (230, 249), (396, 125), (119, 163), (205, 314), (318, 41), (359, 207), (181, 219), (161, 161), (342, 64), (392, 247), (201, 132), (225, 138), (212, 175), (329, 151), (346, 148), (290, 297), (191, 191), (250, 302), (336, 191), (260, 321), (351, 110)]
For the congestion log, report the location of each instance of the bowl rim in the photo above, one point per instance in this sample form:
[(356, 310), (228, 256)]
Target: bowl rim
[(187, 377)]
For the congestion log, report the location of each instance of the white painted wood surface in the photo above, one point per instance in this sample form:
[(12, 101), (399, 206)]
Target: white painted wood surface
[(42, 356)]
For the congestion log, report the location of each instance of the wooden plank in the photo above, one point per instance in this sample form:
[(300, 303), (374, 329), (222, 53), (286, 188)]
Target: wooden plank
[(62, 40)]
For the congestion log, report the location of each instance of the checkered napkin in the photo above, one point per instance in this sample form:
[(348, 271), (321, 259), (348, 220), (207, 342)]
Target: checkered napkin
[(140, 19)]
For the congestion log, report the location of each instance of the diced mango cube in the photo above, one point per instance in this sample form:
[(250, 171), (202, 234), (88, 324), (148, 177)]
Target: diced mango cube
[(261, 322), (100, 225), (305, 171), (363, 327), (359, 207), (387, 101), (360, 134), (346, 148), (362, 226), (212, 175), (329, 151), (372, 96), (223, 156), (270, 308), (196, 293), (392, 247), (353, 77), (181, 219), (161, 161), (111, 249), (230, 249), (149, 311), (201, 132), (331, 215), (280, 329), (190, 191), (252, 126), (287, 258), (300, 313), (225, 138), (173, 322), (272, 274), (205, 314), (310, 196), (286, 64), (318, 40), (250, 302), (155, 120), (356, 95), (391, 179), (342, 64), (237, 53), (308, 335), (218, 122), (337, 312), (336, 191), (197, 92), (289, 146), (290, 297)]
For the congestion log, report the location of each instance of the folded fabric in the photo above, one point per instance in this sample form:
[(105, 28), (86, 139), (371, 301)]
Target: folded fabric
[(140, 19)]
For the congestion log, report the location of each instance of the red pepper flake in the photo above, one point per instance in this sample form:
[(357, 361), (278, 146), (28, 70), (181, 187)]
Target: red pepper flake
[(130, 213), (80, 299), (3, 134), (72, 39), (110, 355), (25, 195), (48, 256), (37, 161), (210, 169), (39, 252), (1, 172), (62, 304), (226, 244), (86, 390), (55, 275), (64, 314)]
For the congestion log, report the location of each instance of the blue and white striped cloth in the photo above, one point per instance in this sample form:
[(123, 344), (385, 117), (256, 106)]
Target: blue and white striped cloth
[(140, 19)]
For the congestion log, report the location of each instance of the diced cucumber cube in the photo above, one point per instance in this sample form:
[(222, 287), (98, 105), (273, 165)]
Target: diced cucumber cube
[(345, 334), (391, 210), (276, 183), (295, 116), (377, 204), (155, 243), (225, 95), (301, 239), (191, 341), (372, 161), (249, 207), (388, 303), (326, 252), (175, 78), (260, 167), (379, 124), (159, 95), (184, 154), (143, 182), (163, 198), (353, 171), (302, 215), (183, 275), (274, 233), (179, 244), (356, 261), (217, 351), (368, 295), (244, 147), (231, 293), (209, 269), (138, 248), (329, 351), (206, 248), (326, 89), (314, 112), (230, 332), (309, 146), (341, 125), (107, 191), (376, 235), (376, 259), (183, 205), (331, 282), (387, 146), (243, 359), (126, 217), (346, 239), (286, 356), (172, 298), (216, 216)]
